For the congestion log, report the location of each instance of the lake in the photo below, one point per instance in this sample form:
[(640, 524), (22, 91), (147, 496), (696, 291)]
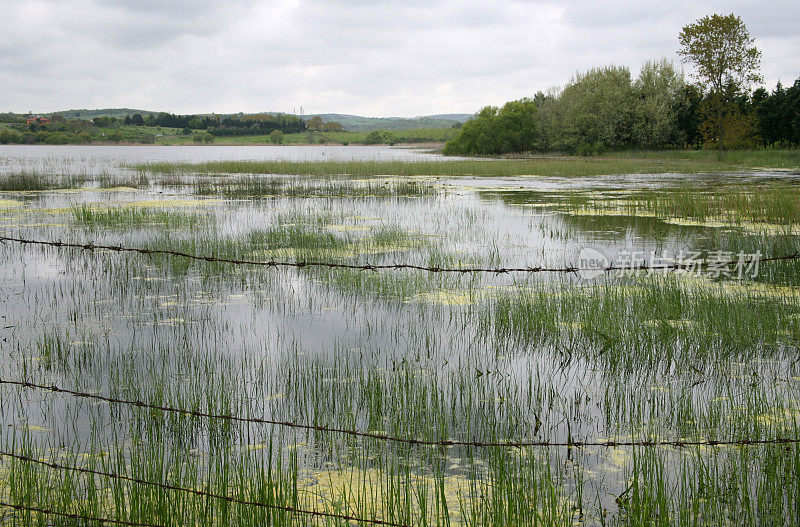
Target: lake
[(305, 369), (79, 158)]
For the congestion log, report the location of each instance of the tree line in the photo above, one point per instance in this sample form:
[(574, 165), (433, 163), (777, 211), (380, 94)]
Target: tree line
[(223, 125), (202, 129), (606, 109)]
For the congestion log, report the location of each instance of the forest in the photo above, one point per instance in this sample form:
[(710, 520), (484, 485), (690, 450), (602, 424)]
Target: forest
[(605, 109)]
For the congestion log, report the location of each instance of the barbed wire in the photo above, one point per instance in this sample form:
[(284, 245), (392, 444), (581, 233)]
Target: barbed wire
[(409, 441), (678, 266), (76, 516), (197, 492)]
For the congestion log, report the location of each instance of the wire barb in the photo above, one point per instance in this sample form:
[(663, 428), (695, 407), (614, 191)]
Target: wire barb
[(197, 492), (76, 516), (678, 266), (409, 441)]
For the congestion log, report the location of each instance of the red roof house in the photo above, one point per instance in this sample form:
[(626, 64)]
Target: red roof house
[(38, 120)]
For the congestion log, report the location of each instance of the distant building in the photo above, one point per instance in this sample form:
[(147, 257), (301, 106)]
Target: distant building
[(38, 120)]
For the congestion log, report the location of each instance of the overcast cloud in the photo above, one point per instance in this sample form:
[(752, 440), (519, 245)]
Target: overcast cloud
[(367, 57)]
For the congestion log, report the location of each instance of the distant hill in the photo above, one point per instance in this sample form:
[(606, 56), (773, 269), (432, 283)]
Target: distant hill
[(106, 112), (354, 123), (357, 123)]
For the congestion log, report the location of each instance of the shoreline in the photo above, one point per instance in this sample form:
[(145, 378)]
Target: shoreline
[(427, 145)]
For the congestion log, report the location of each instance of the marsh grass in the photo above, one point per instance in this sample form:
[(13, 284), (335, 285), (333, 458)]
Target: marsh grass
[(254, 186), (761, 158), (41, 182), (479, 168), (30, 182), (407, 354), (683, 162), (133, 217), (775, 204), (657, 322), (138, 180)]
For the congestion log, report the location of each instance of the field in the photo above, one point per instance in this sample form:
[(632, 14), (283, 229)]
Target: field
[(418, 135), (162, 135), (207, 392)]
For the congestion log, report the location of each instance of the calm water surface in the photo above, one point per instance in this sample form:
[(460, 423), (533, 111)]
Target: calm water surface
[(92, 159), (411, 354)]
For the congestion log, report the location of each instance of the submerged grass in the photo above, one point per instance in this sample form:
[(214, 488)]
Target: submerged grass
[(774, 204), (254, 186), (29, 182), (406, 354), (133, 217)]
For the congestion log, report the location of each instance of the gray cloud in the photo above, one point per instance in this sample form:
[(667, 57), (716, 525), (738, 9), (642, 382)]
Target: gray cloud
[(390, 57)]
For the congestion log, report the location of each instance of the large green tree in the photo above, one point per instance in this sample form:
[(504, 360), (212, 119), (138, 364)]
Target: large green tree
[(512, 128), (658, 93), (315, 124), (725, 58), (595, 111)]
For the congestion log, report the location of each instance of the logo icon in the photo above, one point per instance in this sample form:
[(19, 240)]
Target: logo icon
[(591, 263)]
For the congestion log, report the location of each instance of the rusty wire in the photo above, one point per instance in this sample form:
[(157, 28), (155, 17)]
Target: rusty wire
[(76, 516), (404, 440), (378, 267), (229, 499), (411, 441)]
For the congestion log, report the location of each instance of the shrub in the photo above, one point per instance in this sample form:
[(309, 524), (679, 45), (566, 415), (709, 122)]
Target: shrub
[(8, 137), (276, 137), (203, 138), (373, 138), (60, 138)]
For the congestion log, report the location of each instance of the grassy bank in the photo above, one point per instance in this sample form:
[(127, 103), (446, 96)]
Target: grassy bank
[(683, 162), (769, 158)]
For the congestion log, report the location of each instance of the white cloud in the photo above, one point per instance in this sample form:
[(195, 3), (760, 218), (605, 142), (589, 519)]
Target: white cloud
[(370, 57)]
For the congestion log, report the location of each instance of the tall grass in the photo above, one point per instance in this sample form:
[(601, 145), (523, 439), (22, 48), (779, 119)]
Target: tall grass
[(27, 182), (484, 168), (776, 204), (407, 354), (129, 217), (765, 157), (620, 163), (257, 186)]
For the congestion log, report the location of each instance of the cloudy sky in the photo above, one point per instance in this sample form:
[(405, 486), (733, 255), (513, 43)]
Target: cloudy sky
[(367, 57)]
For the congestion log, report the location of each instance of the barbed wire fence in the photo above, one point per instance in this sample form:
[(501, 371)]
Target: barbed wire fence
[(677, 266), (76, 516), (367, 267), (197, 492), (402, 440), (569, 269)]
